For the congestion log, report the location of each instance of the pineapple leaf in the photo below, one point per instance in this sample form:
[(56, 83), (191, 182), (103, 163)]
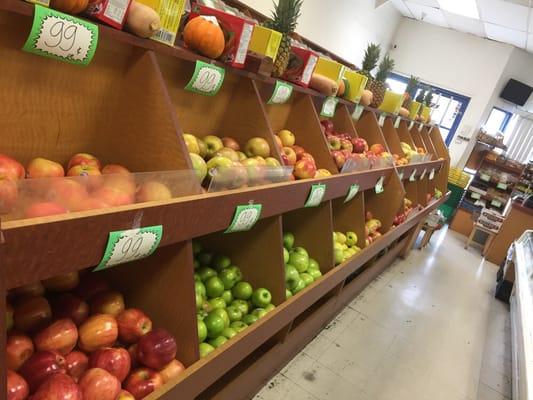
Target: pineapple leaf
[(285, 16), (428, 98), (412, 85), (385, 68), (372, 54)]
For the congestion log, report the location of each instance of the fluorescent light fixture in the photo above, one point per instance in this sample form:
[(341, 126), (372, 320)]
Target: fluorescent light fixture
[(466, 8)]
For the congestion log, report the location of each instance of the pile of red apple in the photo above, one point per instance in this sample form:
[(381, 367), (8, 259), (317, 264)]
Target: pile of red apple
[(88, 186), (372, 229), (401, 217), (72, 337)]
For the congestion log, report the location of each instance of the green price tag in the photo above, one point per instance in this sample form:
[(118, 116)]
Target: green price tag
[(502, 186), (315, 195), (432, 174), (401, 176), (356, 115), (379, 185), (496, 203), (381, 120), (420, 126), (329, 106), (130, 245), (245, 218), (485, 177), (61, 36), (397, 122), (352, 192), (475, 195), (423, 174), (207, 79), (412, 178), (282, 93), (411, 125)]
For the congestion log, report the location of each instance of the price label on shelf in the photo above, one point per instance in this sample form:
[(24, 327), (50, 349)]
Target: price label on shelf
[(329, 106), (379, 185), (412, 178), (420, 126), (352, 192), (130, 245), (381, 120), (496, 203), (502, 186), (474, 195), (411, 124), (485, 177), (356, 115), (432, 174), (401, 176), (430, 128), (207, 79), (423, 174), (282, 93), (61, 36), (397, 122), (315, 195), (245, 218)]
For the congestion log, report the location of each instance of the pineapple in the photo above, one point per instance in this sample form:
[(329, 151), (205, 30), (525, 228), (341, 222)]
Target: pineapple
[(410, 91), (378, 86), (284, 20), (372, 54), (422, 94), (428, 98)]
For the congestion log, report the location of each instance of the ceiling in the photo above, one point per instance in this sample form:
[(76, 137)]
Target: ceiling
[(507, 21)]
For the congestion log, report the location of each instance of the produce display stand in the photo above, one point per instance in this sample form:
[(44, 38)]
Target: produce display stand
[(129, 107)]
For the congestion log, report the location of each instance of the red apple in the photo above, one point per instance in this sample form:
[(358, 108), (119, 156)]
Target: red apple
[(43, 168), (32, 289), (90, 286), (307, 156), (68, 193), (32, 313), (287, 138), (153, 191), (290, 155), (63, 282), (83, 159), (84, 170), (299, 150), (125, 395), (10, 168), (359, 145), (122, 182), (142, 382), (19, 348), (76, 364), (17, 387), (377, 148), (91, 203), (132, 325), (257, 146), (61, 336), (304, 169), (113, 197), (278, 141), (98, 331), (98, 384), (327, 125), (339, 158), (156, 349), (58, 387), (44, 209), (8, 195), (334, 143), (115, 169), (9, 316), (115, 361), (67, 305), (40, 367), (172, 370), (231, 143), (110, 302), (346, 144)]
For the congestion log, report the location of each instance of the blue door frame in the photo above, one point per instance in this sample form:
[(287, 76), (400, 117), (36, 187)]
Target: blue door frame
[(465, 101)]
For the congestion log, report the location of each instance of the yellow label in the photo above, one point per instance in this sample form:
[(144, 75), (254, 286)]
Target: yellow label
[(265, 41), (170, 12)]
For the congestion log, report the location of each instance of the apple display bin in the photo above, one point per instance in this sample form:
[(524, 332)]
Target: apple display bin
[(350, 217), (368, 128), (391, 136), (247, 176), (298, 115), (419, 142)]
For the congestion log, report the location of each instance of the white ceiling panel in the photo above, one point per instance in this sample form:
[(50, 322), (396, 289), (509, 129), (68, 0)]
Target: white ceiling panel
[(427, 3), (521, 2), (504, 13), (427, 14), (465, 24), (506, 35), (400, 6)]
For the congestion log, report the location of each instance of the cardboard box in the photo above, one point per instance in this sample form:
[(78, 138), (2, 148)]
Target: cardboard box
[(355, 84), (265, 42), (413, 109), (111, 12), (391, 103), (332, 69), (425, 113), (301, 66), (238, 29), (170, 12)]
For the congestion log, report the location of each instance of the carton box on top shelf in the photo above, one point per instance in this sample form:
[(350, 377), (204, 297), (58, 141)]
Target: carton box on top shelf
[(111, 12), (302, 64)]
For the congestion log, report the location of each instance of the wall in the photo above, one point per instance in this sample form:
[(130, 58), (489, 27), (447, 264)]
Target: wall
[(460, 62), (345, 28)]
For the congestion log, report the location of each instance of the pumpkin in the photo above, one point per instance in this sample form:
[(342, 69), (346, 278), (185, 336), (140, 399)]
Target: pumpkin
[(69, 6), (204, 36), (342, 88), (367, 97), (404, 112)]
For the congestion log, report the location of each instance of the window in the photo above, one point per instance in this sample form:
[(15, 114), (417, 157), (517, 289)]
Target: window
[(498, 120)]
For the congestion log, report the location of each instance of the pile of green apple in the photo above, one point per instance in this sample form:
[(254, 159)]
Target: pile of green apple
[(300, 269), (344, 246), (225, 304)]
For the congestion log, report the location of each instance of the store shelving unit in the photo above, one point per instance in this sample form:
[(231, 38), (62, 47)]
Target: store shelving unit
[(129, 106)]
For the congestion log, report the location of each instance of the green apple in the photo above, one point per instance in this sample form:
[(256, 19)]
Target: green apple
[(242, 305), (239, 326), (214, 287), (234, 313), (218, 341), (218, 163), (241, 155), (205, 349), (341, 238), (298, 287), (261, 297), (199, 166), (196, 247), (288, 294), (346, 254), (270, 307), (291, 273), (315, 273), (338, 253), (213, 144), (192, 143), (199, 301), (237, 271), (202, 331), (197, 278), (308, 279), (272, 162), (203, 148), (301, 250), (199, 287), (249, 319), (285, 255), (351, 238), (242, 291), (299, 260), (228, 278), (259, 312), (335, 237), (257, 146), (229, 332), (206, 273), (215, 324), (227, 296), (217, 302), (313, 264), (288, 240), (228, 153), (222, 313), (344, 246), (220, 262), (205, 258)]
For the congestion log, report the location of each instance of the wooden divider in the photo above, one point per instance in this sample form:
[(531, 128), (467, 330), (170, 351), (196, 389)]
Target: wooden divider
[(368, 128), (385, 205), (423, 189), (342, 120), (417, 139), (391, 137), (411, 191), (424, 135), (404, 134), (350, 217)]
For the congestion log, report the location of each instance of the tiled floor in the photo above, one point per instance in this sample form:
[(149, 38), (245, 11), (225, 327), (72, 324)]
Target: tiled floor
[(428, 328)]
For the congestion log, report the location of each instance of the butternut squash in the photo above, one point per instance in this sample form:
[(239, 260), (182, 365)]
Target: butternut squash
[(323, 85), (142, 20), (404, 112), (342, 88)]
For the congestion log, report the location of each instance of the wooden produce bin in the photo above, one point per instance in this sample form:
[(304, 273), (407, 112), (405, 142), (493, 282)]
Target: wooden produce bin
[(368, 128), (441, 176), (411, 192), (417, 138), (385, 205), (350, 216), (404, 135), (424, 135), (299, 116), (392, 137)]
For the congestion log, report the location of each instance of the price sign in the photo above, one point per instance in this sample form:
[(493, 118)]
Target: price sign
[(485, 177), (502, 186), (412, 178), (282, 93), (356, 115), (496, 203), (329, 106), (397, 122), (315, 195), (476, 196), (130, 245), (61, 36), (207, 79), (245, 218), (432, 174), (411, 124), (430, 129), (420, 126), (401, 176), (352, 192), (381, 120), (379, 185), (423, 174)]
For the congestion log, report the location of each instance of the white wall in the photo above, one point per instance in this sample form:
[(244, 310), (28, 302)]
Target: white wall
[(460, 62), (344, 27)]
